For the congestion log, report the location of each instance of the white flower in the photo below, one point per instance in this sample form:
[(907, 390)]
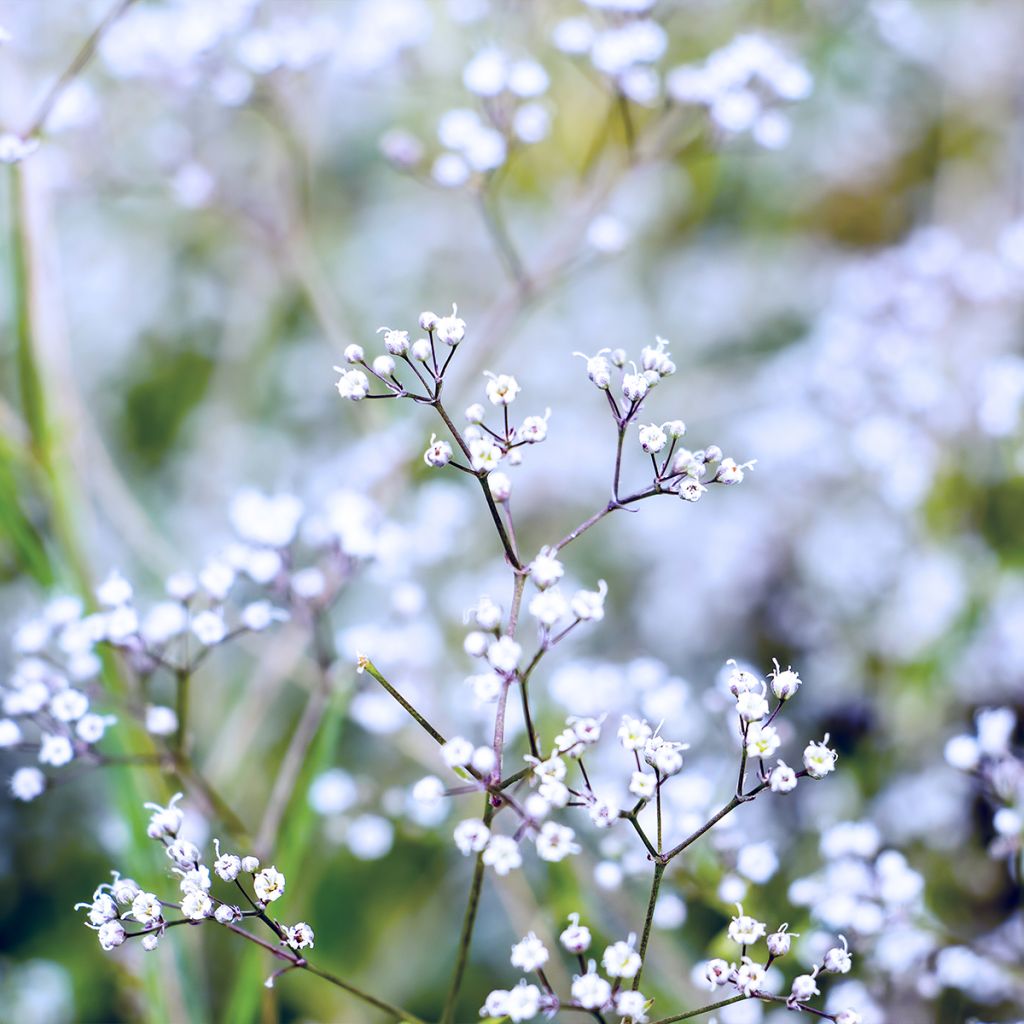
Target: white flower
[(225, 914), (717, 973), (575, 938), (486, 686), (475, 413), (161, 720), (300, 936), (529, 953), (629, 1003), (184, 854), (353, 354), (268, 884), (501, 388), (621, 960), (250, 864), (590, 990), (484, 454), (633, 733), (209, 628), (634, 386), (780, 941), (504, 654), (457, 752), (749, 976), (762, 740), (784, 683), (217, 579), (114, 591), (500, 486), (838, 960), (556, 842), (260, 615), (121, 624), (548, 606), (146, 909), (731, 473), (164, 620), (438, 454), (487, 614), (804, 987), (227, 865), (652, 438), (450, 329), (396, 342), (745, 930), (782, 779), (523, 1002), (534, 428), (101, 909), (421, 350), (196, 905), (383, 366), (599, 370), (496, 1004), (352, 384), (691, 490), (848, 1017), (124, 890), (14, 149), (588, 605), (69, 705), (165, 821), (546, 570), (10, 733), (643, 785), (111, 934), (604, 813), (55, 750), (502, 854), (751, 706), (819, 760), (471, 836)]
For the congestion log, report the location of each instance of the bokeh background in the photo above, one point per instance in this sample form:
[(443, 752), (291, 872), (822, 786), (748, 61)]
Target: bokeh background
[(232, 192)]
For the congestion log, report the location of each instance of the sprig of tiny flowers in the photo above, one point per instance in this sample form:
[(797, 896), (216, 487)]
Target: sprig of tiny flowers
[(591, 991), (122, 904), (54, 703), (752, 980)]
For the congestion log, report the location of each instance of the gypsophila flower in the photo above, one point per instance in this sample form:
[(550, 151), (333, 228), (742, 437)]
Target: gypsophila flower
[(502, 854), (438, 454), (269, 884), (804, 987), (762, 740), (146, 909), (500, 486), (621, 960), (10, 733), (69, 705), (590, 990), (457, 752), (299, 936), (588, 605), (475, 413), (165, 821), (604, 813), (634, 386), (504, 654), (745, 930), (523, 1002), (534, 429), (819, 760), (749, 976), (250, 864), (656, 359), (717, 973), (652, 438), (633, 733), (546, 570), (111, 935), (196, 905), (184, 853), (599, 370), (55, 750), (383, 366), (450, 329), (848, 1017), (27, 783), (352, 384), (151, 941), (838, 960), (731, 473), (751, 706), (124, 890), (501, 388), (228, 866), (643, 785), (471, 836), (780, 941), (529, 953), (548, 606), (575, 938), (209, 628), (496, 1003), (396, 342), (101, 909), (225, 914), (353, 354), (484, 455), (782, 778), (631, 1004), (556, 842), (691, 490), (784, 683)]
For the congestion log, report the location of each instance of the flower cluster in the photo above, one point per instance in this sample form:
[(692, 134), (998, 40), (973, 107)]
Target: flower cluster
[(121, 910)]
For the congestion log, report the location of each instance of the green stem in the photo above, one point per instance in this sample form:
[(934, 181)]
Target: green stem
[(659, 870), (700, 1010)]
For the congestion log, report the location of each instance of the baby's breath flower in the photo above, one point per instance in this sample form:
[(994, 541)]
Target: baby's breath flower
[(556, 842), (575, 938), (499, 485), (502, 854), (146, 909), (762, 740), (352, 384), (501, 388), (621, 960), (652, 438), (165, 821), (785, 683), (588, 605), (196, 905), (590, 990), (457, 752), (111, 935), (439, 453), (471, 836), (731, 473), (717, 972), (484, 455), (838, 960), (504, 654), (396, 342), (299, 936), (819, 759), (353, 354), (749, 976), (529, 953), (634, 386), (780, 941), (633, 733), (751, 706), (643, 785), (745, 930), (534, 428), (450, 330), (269, 884), (599, 370), (630, 1003)]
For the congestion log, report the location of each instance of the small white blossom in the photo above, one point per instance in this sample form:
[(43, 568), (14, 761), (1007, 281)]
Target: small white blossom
[(55, 750), (745, 930), (804, 987), (633, 733), (396, 342), (556, 842), (599, 370), (634, 386), (114, 591), (504, 654), (225, 914), (471, 836), (621, 960), (353, 354), (604, 813), (784, 683), (643, 785), (484, 455), (588, 605), (165, 822), (438, 454), (630, 1003), (534, 429), (457, 752), (501, 388), (749, 976), (717, 973), (780, 941), (383, 366), (731, 473), (575, 938), (652, 438), (269, 884), (209, 628), (546, 570), (196, 905), (502, 854), (782, 779), (523, 1002), (590, 990), (838, 960), (500, 485), (548, 606), (762, 740), (352, 384), (529, 953), (691, 490), (146, 909), (450, 329), (111, 934), (819, 759), (299, 936), (751, 706), (184, 854)]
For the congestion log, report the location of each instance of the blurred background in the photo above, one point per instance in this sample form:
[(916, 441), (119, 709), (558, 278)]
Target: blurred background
[(826, 224)]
